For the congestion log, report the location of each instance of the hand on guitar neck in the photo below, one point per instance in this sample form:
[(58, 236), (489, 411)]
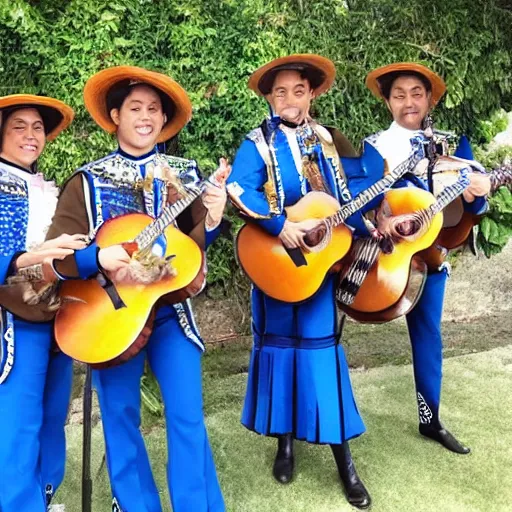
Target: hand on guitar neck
[(480, 185)]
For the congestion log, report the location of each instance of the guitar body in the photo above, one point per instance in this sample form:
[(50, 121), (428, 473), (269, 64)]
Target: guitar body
[(456, 234), (410, 296), (387, 291), (269, 266), (450, 238), (88, 327)]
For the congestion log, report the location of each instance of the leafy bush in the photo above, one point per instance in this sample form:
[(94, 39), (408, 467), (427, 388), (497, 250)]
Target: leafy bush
[(212, 46), (496, 227)]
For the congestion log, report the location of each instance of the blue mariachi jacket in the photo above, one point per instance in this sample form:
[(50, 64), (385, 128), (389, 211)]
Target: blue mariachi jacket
[(14, 209), (395, 145), (118, 184), (27, 205), (266, 177), (255, 185)]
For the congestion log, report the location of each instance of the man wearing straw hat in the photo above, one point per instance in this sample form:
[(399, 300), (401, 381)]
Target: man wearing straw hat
[(35, 381), (298, 384), (410, 91), (142, 108)]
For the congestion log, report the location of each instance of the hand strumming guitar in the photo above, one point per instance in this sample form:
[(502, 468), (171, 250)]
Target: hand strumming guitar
[(113, 258), (292, 234)]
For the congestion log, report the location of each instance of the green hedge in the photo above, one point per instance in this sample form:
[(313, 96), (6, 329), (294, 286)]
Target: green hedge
[(211, 47)]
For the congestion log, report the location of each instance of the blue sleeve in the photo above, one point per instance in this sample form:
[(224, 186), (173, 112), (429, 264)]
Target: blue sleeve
[(246, 188), (273, 226), (87, 264), (362, 172), (87, 261), (5, 266), (464, 150), (211, 235), (477, 207)]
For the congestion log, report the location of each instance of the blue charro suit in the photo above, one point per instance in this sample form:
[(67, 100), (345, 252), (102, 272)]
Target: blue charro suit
[(298, 379), (424, 321), (35, 381), (108, 189)]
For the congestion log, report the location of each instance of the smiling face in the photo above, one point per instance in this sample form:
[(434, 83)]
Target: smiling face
[(291, 96), (23, 137), (409, 102), (139, 120)]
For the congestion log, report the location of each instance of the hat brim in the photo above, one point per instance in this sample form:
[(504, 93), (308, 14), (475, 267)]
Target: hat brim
[(437, 83), (324, 66), (64, 113), (98, 86)]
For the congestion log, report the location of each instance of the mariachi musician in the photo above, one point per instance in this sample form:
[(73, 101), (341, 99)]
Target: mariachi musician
[(298, 384), (410, 91), (35, 381), (143, 108)]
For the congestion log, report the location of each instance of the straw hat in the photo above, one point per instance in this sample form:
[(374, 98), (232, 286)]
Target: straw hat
[(437, 83), (321, 69), (98, 86), (57, 116)]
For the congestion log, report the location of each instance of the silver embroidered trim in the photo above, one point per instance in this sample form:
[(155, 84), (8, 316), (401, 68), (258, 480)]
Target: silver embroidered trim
[(424, 410), (9, 361)]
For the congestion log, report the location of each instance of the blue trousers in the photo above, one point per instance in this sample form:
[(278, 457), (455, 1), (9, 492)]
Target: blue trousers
[(33, 408), (424, 324), (192, 479)]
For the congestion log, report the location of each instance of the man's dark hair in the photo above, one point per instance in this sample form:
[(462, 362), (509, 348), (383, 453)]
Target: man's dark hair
[(386, 81), (118, 93), (314, 76)]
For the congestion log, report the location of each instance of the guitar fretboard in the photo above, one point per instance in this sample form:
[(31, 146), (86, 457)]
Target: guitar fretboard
[(370, 193), (169, 214), (501, 177), (449, 194)]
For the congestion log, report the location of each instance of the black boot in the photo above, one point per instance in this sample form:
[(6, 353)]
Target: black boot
[(441, 435), (284, 463), (355, 491)]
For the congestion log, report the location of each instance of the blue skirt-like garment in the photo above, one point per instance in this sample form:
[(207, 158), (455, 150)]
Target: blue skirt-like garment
[(302, 387)]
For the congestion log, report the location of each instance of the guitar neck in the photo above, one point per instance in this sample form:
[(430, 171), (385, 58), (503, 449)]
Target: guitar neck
[(501, 177), (448, 195), (169, 214), (370, 193)]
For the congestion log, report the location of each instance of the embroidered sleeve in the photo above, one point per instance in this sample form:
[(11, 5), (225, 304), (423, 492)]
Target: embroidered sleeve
[(71, 218), (248, 191)]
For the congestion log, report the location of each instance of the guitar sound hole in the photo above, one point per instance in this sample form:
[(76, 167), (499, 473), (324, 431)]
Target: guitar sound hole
[(315, 236)]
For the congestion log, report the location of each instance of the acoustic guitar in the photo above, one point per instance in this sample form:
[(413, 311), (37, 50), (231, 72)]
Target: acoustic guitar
[(294, 275), (99, 321), (456, 235), (395, 280)]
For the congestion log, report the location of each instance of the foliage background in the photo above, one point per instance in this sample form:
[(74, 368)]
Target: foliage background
[(211, 46)]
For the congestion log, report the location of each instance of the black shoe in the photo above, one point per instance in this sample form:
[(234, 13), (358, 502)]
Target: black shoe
[(355, 491), (442, 436), (284, 463)]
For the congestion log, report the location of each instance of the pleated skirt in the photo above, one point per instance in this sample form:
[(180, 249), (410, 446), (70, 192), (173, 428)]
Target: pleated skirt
[(301, 386)]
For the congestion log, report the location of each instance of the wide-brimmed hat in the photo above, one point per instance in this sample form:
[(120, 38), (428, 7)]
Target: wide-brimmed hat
[(374, 78), (57, 116), (99, 85), (320, 71)]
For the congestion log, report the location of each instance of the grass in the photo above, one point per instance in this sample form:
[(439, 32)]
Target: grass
[(403, 471)]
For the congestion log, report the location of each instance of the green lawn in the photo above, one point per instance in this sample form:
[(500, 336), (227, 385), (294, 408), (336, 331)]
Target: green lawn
[(402, 471)]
